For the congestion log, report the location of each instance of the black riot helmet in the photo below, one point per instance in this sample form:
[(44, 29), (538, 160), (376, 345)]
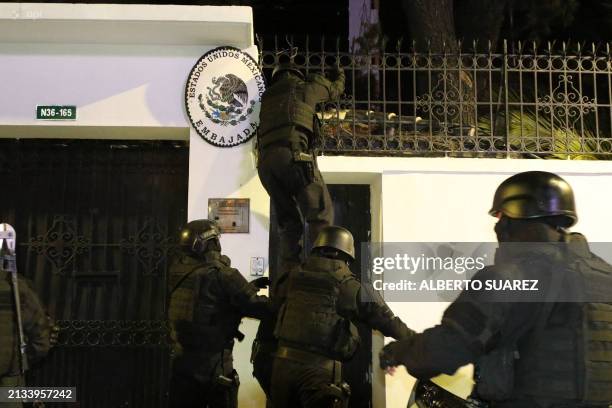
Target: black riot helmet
[(536, 194), (195, 235), (336, 238), (286, 67)]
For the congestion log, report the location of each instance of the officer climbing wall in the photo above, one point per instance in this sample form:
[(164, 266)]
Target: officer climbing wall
[(287, 164)]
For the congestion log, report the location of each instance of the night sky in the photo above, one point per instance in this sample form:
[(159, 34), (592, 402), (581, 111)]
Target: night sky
[(591, 19)]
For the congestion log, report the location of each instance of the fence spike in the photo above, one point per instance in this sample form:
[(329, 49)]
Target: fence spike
[(520, 47), (398, 45)]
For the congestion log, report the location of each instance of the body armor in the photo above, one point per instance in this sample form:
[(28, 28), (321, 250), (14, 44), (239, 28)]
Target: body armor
[(201, 317), (309, 318), (8, 338), (570, 357), (283, 105)]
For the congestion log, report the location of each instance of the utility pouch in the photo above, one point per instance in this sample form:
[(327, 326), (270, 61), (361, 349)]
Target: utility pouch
[(228, 381), (224, 381), (495, 374), (301, 157), (347, 340), (341, 394), (303, 174), (305, 164)]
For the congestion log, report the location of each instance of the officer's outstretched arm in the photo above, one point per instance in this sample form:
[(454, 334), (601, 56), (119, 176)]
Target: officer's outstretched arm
[(373, 311), (243, 295), (324, 90), (337, 85), (438, 350), (470, 327)]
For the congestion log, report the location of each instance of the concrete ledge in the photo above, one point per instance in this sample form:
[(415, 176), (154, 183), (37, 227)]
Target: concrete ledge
[(94, 132), (140, 24)]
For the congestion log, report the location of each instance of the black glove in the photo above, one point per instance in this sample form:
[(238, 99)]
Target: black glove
[(389, 355), (261, 283)]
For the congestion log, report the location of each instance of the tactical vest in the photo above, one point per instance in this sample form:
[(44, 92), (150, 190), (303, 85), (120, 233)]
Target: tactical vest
[(198, 310), (309, 319), (283, 105), (571, 358), (8, 338)]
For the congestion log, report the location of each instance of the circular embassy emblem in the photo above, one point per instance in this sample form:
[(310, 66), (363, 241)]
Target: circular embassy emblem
[(223, 96)]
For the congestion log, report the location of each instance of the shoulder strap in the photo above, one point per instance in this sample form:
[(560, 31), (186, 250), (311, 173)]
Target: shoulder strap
[(542, 317), (186, 275), (539, 320)]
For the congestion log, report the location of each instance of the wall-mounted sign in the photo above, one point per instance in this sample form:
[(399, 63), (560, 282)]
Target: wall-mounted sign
[(223, 96), (55, 112), (231, 214)]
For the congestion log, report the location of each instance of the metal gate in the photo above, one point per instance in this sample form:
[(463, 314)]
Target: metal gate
[(95, 223)]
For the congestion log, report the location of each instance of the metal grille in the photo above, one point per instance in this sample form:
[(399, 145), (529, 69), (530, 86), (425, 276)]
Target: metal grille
[(96, 223), (524, 101)]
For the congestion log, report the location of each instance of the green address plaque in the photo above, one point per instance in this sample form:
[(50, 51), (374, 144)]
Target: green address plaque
[(55, 112)]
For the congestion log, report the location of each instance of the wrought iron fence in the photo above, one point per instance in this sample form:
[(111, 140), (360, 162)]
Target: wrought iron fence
[(552, 101)]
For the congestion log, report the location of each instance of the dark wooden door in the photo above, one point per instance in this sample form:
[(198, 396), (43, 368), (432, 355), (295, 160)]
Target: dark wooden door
[(96, 223), (352, 211)]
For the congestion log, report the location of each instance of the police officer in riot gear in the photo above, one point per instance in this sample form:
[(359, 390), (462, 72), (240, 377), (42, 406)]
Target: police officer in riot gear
[(314, 326), (549, 353), (287, 163), (208, 299), (34, 323)]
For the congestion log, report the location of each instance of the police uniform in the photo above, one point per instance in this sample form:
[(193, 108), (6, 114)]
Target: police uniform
[(36, 329), (287, 166), (536, 354), (265, 343), (315, 329), (208, 300)]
